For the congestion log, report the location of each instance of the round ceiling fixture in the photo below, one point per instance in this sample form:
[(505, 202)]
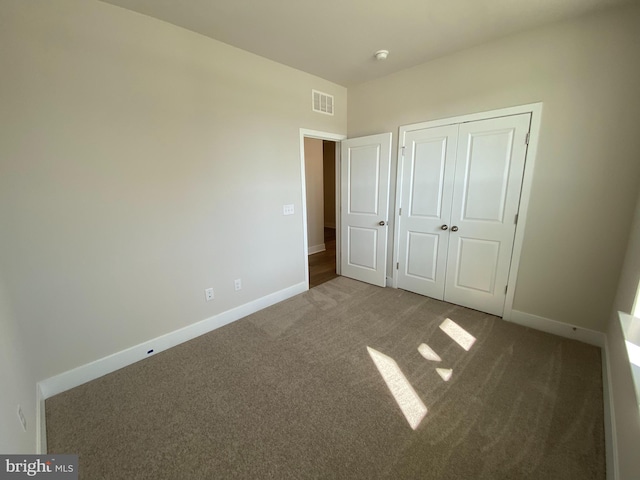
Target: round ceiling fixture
[(381, 54)]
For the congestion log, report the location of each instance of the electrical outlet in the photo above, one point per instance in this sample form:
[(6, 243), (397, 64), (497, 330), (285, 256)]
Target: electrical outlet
[(288, 210), (208, 294), (238, 284), (23, 421)]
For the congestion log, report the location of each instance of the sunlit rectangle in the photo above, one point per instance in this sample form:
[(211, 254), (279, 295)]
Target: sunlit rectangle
[(445, 373), (408, 400), (458, 334), (427, 352)]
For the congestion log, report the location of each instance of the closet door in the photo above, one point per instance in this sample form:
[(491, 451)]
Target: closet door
[(486, 195), (426, 182)]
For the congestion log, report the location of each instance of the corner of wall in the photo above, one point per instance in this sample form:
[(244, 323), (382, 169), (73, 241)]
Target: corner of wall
[(610, 438), (41, 422)]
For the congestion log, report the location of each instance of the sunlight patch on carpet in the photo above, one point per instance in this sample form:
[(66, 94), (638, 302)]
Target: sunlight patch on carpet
[(445, 373), (458, 334), (427, 352), (406, 397)]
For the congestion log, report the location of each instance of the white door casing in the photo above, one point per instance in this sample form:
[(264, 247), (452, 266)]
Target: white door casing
[(334, 137), (460, 189), (364, 180)]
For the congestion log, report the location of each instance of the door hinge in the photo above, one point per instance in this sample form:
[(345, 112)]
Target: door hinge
[(400, 212), (398, 266), (526, 139), (516, 219), (506, 287)]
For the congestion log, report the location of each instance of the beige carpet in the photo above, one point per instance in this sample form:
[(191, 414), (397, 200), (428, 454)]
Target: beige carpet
[(292, 392)]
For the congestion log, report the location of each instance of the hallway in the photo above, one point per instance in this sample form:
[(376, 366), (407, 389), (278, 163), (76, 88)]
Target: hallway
[(322, 265)]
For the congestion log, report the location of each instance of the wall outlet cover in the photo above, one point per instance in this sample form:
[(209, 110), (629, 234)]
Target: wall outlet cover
[(208, 294), (288, 209)]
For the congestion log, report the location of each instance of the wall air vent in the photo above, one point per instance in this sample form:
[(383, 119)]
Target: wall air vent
[(321, 102)]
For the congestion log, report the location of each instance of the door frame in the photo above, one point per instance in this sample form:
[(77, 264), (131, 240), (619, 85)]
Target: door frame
[(535, 109), (333, 137)]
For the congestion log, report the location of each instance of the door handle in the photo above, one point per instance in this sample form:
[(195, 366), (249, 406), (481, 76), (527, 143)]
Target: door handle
[(454, 229), (444, 227), (382, 223)]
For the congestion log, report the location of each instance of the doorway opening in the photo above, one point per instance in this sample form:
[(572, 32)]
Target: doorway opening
[(320, 180)]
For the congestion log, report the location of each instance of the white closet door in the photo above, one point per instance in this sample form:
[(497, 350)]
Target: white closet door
[(488, 178), (365, 168), (427, 171)]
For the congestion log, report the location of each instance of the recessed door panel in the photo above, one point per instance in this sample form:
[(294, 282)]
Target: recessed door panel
[(362, 247), (363, 164), (477, 262), (486, 167), (364, 177), (427, 177), (422, 256)]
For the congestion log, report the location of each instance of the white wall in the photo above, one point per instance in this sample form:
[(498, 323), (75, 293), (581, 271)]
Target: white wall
[(586, 74), (329, 178), (139, 164), (627, 415), (18, 384), (315, 193)]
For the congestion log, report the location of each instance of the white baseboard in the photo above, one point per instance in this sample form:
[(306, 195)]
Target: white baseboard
[(610, 437), (98, 368), (41, 423), (317, 249), (562, 329)]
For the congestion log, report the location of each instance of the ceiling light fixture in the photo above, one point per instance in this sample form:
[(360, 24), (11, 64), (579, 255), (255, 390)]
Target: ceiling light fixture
[(381, 54)]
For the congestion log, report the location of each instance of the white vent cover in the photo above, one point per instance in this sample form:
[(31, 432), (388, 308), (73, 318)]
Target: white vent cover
[(321, 102)]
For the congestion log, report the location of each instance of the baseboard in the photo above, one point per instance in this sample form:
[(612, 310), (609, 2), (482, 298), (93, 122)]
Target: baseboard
[(98, 368), (317, 249), (610, 438), (41, 423), (562, 329)]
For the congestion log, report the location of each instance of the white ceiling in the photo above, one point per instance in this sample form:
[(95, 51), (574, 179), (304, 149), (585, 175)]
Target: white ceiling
[(336, 39)]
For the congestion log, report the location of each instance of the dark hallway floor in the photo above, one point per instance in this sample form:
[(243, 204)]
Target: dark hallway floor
[(322, 265)]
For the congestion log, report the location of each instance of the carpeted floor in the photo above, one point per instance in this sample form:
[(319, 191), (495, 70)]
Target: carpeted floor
[(292, 392)]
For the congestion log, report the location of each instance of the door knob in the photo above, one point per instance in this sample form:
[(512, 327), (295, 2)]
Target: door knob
[(444, 227), (454, 229), (382, 223)]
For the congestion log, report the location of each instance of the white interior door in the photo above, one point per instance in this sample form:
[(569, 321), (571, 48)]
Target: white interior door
[(486, 195), (365, 168), (460, 192), (426, 181)]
